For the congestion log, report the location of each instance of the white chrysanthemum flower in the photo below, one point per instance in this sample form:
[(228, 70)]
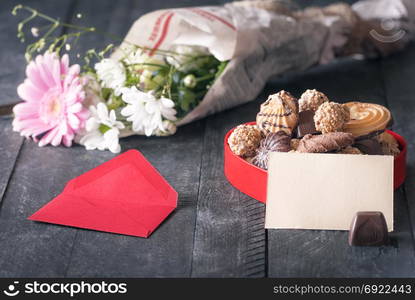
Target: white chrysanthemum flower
[(184, 56), (111, 73), (135, 57), (135, 110), (145, 66), (145, 111), (102, 130), (159, 109)]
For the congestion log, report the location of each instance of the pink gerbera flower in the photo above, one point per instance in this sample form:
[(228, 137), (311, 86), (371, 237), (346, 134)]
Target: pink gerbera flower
[(52, 110)]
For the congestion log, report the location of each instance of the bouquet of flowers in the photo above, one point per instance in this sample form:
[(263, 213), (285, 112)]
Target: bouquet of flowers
[(178, 65), (142, 91)]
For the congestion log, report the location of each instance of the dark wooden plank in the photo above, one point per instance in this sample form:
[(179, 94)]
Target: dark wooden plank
[(301, 253), (229, 238), (12, 58), (314, 253), (9, 149), (398, 72), (28, 249), (168, 251), (11, 74), (230, 235)]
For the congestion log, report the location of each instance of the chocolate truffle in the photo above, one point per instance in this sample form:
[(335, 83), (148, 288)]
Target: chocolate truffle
[(244, 140), (311, 100), (331, 117)]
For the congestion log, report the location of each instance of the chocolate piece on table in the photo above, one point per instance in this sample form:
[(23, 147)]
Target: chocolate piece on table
[(369, 146), (306, 123), (368, 228)]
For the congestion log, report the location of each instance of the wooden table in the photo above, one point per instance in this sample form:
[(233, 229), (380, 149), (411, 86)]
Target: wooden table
[(216, 231)]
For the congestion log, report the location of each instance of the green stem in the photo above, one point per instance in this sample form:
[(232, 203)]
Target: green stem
[(58, 23), (149, 64), (52, 20), (205, 77)]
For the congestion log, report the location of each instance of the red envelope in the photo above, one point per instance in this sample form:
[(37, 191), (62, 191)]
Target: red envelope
[(125, 195)]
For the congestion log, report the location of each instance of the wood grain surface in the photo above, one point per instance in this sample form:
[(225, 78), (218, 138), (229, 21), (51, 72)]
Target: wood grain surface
[(216, 231)]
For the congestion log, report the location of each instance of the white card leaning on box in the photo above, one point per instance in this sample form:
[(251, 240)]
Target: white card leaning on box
[(324, 191)]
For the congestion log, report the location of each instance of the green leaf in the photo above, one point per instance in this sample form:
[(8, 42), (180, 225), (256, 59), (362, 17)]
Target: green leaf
[(103, 128), (132, 81), (115, 103), (106, 93), (186, 98), (221, 68)]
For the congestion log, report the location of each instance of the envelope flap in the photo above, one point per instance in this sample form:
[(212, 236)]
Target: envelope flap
[(128, 177)]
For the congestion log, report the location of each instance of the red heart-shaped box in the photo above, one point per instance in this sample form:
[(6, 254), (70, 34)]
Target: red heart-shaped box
[(251, 180)]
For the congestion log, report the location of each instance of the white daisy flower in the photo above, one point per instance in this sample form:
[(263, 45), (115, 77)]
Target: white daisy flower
[(136, 56), (145, 111), (135, 109), (145, 66), (102, 130), (111, 73)]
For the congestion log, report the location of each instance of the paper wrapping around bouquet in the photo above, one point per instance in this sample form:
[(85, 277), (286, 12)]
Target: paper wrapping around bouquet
[(211, 27), (259, 43), (125, 195)]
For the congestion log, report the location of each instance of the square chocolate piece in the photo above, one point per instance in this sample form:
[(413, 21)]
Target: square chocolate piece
[(369, 146), (306, 123), (368, 228)]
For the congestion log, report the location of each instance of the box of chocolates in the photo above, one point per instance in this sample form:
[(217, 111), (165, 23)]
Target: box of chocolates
[(311, 124)]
